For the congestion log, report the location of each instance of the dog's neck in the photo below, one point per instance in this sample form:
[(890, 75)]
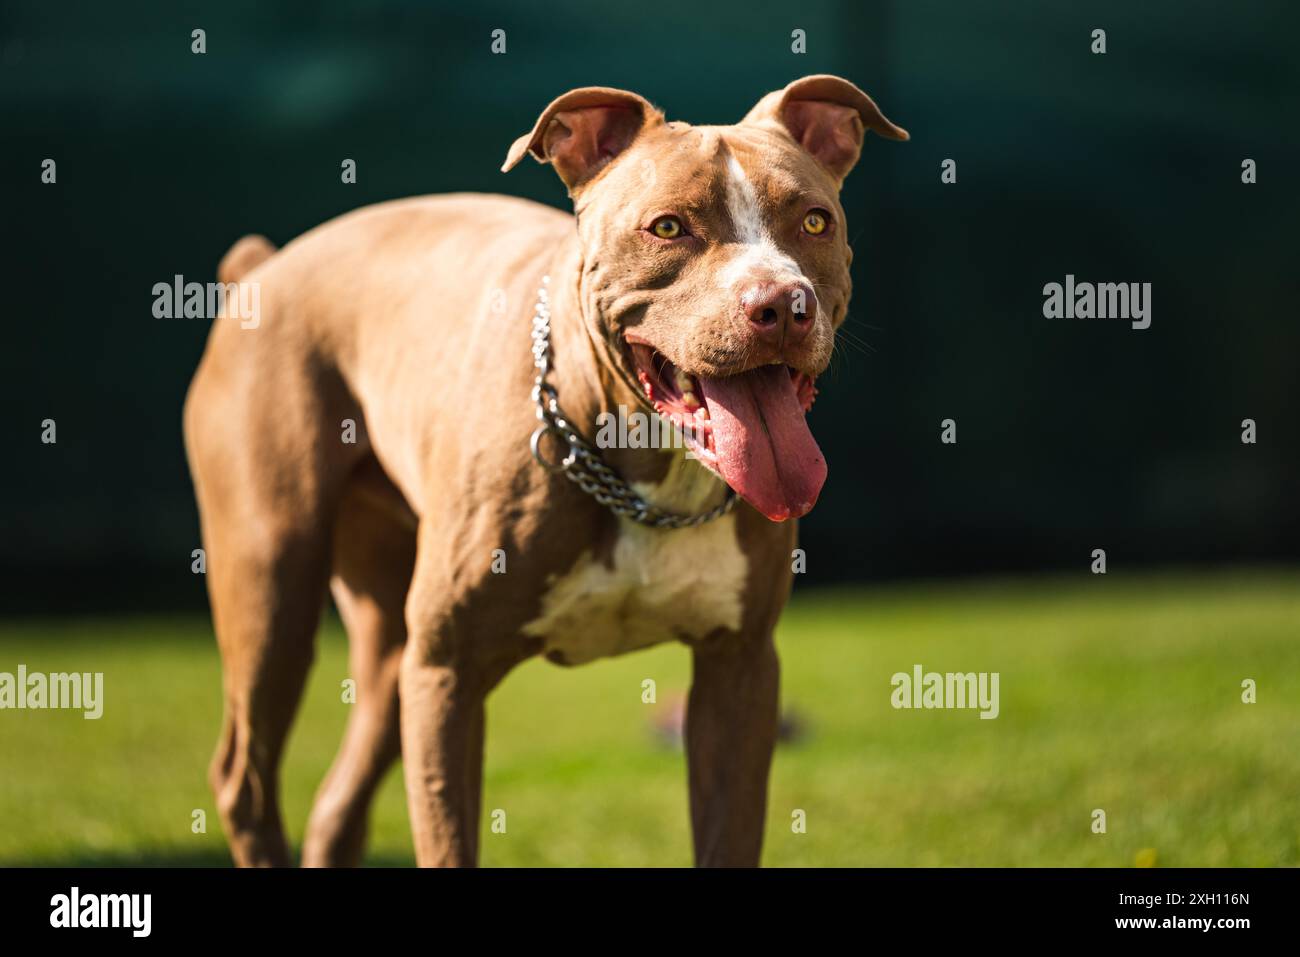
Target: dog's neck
[(591, 375)]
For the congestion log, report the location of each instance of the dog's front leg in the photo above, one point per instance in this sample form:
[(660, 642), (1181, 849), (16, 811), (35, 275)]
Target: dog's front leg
[(442, 747), (731, 724)]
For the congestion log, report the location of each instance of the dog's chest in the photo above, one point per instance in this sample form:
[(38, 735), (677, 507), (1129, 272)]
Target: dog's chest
[(656, 585)]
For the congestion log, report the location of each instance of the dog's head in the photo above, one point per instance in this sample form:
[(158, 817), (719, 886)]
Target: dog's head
[(716, 264)]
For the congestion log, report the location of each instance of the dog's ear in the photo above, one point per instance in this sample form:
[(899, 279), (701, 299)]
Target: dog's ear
[(583, 130), (828, 117)]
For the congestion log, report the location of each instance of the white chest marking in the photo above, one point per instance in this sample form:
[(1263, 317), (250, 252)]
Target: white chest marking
[(659, 585)]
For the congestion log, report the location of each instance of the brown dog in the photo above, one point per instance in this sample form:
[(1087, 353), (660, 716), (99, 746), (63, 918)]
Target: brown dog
[(372, 433)]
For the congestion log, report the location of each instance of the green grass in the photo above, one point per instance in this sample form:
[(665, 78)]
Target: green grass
[(1120, 694)]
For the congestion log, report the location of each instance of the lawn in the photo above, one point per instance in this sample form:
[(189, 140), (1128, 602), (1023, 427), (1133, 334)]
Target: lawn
[(1117, 693)]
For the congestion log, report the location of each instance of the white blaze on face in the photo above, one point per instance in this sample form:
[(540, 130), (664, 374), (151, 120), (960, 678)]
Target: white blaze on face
[(758, 256)]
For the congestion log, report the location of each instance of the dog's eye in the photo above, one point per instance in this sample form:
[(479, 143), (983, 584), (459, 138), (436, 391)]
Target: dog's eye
[(668, 227), (815, 223)]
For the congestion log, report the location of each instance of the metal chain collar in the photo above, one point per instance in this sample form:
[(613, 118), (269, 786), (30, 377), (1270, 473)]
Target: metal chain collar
[(584, 465)]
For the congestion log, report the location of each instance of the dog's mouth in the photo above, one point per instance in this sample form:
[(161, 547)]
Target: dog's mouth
[(749, 428)]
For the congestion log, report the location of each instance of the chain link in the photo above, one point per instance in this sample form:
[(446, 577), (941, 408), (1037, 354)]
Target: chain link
[(583, 464)]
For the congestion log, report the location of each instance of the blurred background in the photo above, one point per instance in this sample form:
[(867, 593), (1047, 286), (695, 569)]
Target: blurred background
[(1073, 435)]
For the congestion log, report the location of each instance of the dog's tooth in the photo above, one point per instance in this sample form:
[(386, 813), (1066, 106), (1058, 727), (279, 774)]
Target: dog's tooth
[(689, 400), (683, 382)]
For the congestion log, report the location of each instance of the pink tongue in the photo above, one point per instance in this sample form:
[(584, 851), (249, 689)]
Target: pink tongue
[(765, 451)]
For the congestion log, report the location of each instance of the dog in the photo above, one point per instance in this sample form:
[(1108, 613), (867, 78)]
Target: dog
[(410, 427)]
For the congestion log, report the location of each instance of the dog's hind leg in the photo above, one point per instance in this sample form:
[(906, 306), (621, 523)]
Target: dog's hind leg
[(374, 553), (266, 605), (267, 474)]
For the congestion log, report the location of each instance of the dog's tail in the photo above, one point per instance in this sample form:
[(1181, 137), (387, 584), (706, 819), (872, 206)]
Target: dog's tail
[(245, 256)]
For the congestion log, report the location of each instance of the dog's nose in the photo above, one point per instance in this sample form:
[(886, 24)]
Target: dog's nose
[(780, 312)]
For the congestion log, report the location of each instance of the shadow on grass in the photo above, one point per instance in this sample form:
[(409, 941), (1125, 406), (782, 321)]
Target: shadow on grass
[(171, 858)]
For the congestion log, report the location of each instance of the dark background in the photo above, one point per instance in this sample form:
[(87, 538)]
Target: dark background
[(1073, 434)]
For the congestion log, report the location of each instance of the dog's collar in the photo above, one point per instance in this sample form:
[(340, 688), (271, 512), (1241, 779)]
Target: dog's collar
[(583, 464)]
